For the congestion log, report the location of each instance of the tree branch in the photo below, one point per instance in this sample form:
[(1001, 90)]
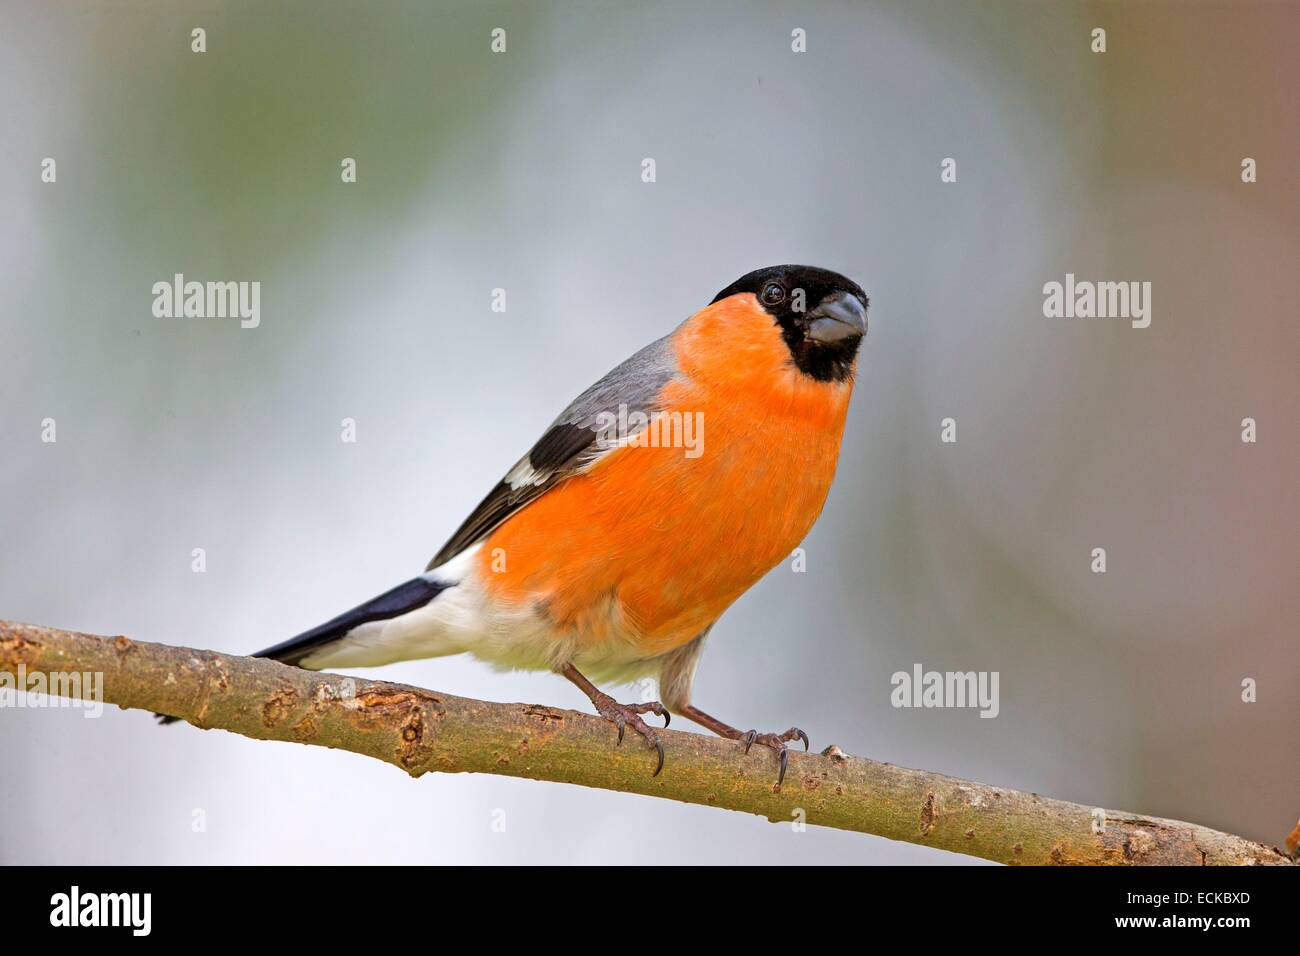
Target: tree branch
[(422, 731)]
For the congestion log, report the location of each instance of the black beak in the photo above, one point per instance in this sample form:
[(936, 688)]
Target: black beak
[(840, 317)]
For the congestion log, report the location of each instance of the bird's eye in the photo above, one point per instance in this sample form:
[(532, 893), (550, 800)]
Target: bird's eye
[(773, 293)]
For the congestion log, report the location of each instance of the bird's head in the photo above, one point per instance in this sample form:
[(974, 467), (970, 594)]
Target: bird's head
[(822, 315)]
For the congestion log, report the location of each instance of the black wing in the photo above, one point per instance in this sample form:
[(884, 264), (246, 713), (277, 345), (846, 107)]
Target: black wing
[(569, 445)]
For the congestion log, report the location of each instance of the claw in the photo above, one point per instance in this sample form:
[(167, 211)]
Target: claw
[(623, 716), (668, 718), (775, 744)]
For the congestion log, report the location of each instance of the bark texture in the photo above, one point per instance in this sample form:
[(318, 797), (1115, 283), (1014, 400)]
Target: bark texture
[(422, 731)]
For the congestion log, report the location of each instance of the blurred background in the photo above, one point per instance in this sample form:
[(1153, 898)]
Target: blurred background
[(522, 170)]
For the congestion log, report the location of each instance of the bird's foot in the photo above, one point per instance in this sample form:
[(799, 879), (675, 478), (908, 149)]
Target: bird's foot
[(776, 743), (623, 716)]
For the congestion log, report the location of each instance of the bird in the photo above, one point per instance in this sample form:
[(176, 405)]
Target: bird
[(657, 498)]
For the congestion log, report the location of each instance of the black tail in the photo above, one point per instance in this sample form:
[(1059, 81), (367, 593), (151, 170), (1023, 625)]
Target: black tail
[(411, 595), (404, 598)]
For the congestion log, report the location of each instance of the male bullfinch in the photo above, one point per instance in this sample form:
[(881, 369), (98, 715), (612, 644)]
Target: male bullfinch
[(609, 550)]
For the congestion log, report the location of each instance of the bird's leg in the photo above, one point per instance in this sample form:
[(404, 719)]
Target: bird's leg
[(622, 715), (774, 742)]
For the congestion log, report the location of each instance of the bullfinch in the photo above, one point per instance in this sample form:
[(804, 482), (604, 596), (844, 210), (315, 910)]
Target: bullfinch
[(657, 498)]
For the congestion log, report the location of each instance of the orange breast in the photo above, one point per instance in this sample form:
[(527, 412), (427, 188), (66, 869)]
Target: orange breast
[(654, 544)]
